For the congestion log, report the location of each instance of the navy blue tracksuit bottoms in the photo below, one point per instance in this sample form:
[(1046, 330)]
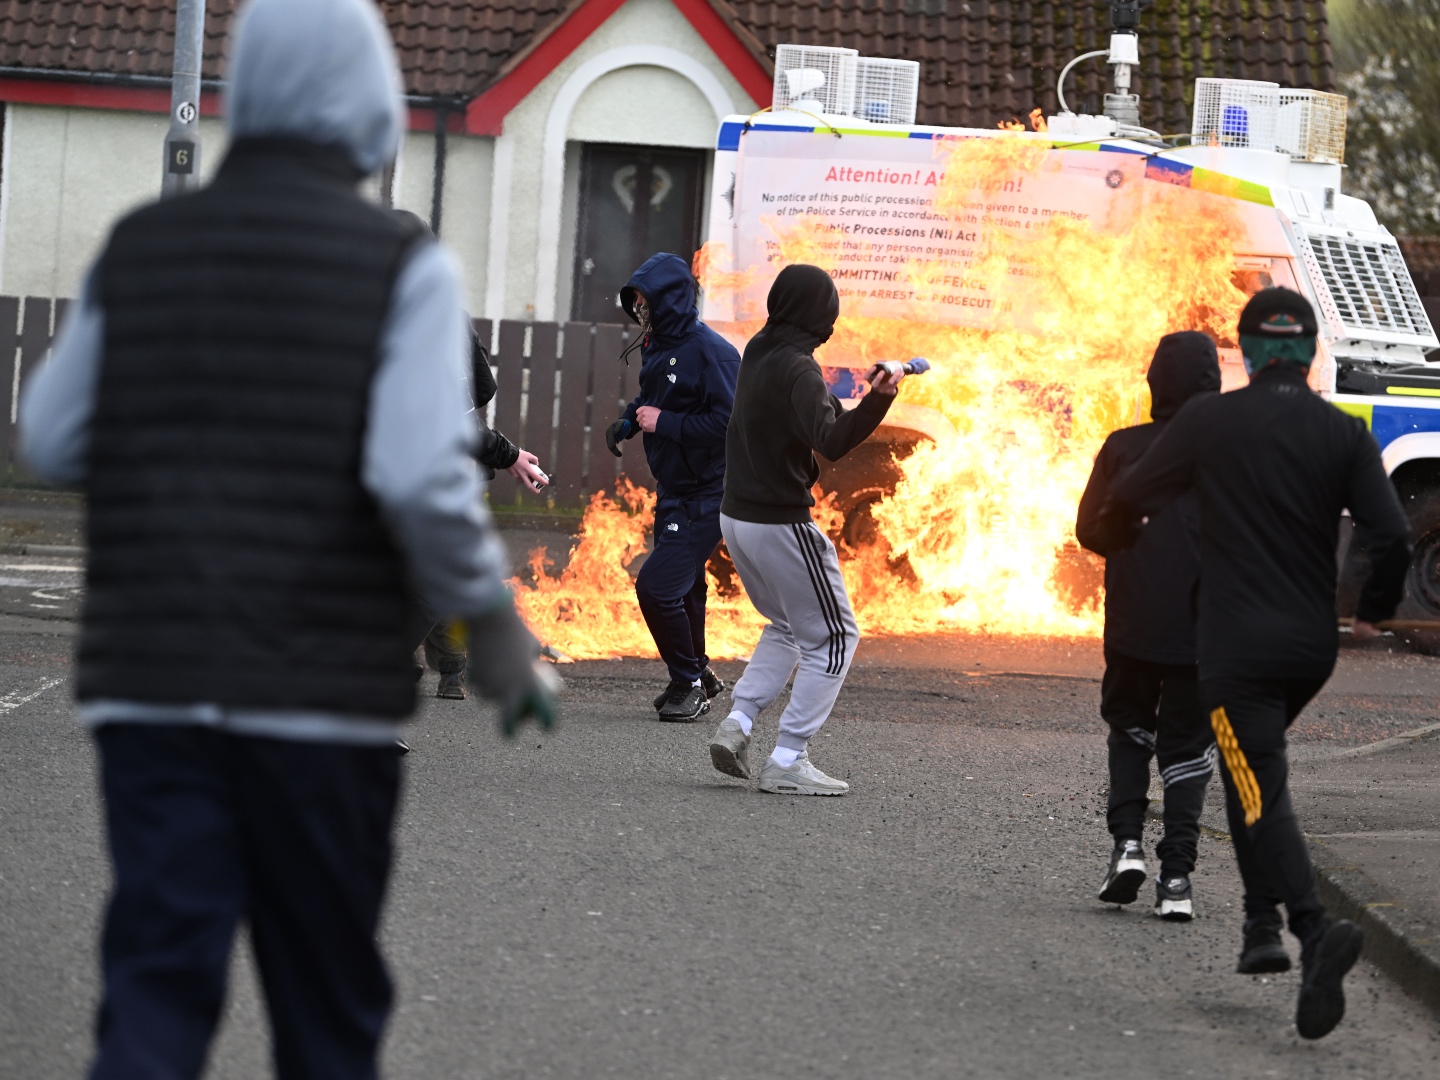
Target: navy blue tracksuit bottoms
[(208, 828), (671, 585)]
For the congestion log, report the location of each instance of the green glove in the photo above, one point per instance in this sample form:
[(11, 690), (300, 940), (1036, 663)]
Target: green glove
[(505, 666)]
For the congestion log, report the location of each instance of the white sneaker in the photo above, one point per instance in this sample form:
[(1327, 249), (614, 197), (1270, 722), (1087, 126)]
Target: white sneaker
[(801, 778), (730, 749)]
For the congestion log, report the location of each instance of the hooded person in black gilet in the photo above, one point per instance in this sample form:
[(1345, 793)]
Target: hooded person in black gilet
[(1150, 696), (262, 390)]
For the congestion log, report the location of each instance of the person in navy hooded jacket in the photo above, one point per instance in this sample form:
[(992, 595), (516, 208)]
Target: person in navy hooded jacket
[(687, 387)]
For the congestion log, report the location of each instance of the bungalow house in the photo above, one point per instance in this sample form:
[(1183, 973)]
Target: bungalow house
[(555, 143)]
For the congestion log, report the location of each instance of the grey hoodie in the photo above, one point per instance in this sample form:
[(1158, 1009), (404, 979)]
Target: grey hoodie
[(322, 70), (335, 58)]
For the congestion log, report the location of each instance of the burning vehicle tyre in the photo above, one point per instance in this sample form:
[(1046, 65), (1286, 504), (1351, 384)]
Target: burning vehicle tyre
[(863, 478)]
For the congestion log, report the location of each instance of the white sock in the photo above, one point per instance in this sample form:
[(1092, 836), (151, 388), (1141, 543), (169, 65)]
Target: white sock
[(697, 682), (784, 756), (740, 718)]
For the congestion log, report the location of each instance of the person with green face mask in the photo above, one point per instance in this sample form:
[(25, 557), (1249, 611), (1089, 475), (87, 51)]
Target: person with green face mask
[(1274, 466)]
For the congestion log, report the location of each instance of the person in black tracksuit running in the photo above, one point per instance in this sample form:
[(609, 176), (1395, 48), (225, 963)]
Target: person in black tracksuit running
[(1150, 696), (687, 387), (1273, 466)]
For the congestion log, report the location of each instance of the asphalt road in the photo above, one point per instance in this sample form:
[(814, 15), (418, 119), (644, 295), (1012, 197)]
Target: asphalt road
[(600, 902)]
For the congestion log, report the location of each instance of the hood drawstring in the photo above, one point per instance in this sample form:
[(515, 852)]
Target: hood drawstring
[(642, 333)]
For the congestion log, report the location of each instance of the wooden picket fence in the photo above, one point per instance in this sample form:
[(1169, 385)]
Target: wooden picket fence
[(560, 386), (26, 326)]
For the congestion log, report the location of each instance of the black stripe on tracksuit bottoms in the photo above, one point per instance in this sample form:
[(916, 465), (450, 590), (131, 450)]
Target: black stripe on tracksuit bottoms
[(792, 576), (807, 536)]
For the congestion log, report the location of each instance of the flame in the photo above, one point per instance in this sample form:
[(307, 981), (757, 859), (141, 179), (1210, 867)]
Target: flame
[(1037, 122), (589, 612), (708, 268), (979, 532)]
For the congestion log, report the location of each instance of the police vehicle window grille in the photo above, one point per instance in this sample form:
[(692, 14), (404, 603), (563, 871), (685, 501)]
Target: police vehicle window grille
[(1409, 295), (1370, 286), (1324, 294)]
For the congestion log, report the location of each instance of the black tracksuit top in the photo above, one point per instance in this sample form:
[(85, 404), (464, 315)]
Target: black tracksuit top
[(1150, 587), (1273, 466), (784, 414)]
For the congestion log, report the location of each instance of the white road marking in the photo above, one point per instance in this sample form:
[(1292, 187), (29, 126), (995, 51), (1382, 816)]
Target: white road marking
[(6, 704), (46, 568)]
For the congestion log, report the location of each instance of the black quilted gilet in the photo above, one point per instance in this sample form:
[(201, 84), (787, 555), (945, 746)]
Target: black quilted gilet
[(235, 556)]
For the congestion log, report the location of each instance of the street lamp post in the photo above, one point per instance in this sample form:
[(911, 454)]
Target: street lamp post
[(182, 141)]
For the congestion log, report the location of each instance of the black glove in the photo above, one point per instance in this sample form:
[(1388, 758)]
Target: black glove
[(505, 666), (615, 434)]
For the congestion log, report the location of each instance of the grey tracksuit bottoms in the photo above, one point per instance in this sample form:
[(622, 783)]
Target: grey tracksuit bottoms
[(793, 578)]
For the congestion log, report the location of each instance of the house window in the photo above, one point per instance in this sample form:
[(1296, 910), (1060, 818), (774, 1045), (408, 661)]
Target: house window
[(634, 201)]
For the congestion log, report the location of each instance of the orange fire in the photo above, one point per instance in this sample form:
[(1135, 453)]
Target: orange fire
[(589, 612), (979, 532)]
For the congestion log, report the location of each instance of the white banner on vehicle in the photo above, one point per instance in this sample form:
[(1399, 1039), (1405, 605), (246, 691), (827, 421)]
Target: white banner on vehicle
[(867, 206)]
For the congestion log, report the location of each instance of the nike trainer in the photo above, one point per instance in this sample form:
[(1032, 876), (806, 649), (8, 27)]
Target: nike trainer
[(1173, 899), (1263, 953), (799, 778), (730, 749), (1325, 962), (1127, 871), (684, 704), (670, 688), (713, 684)]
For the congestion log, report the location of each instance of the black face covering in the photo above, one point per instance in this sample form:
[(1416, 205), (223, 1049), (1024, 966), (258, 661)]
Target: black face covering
[(804, 298)]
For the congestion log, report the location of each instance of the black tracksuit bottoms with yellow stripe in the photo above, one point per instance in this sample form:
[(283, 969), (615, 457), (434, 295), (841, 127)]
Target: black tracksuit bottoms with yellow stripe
[(1250, 717)]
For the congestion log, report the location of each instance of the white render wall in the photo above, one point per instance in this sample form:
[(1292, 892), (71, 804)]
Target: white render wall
[(465, 210), (69, 175), (643, 104), (647, 106)]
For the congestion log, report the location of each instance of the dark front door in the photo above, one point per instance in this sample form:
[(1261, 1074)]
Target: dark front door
[(634, 201)]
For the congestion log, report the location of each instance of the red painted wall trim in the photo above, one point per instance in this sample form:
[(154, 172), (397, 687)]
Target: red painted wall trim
[(487, 113), (156, 99), (92, 96), (731, 51), (422, 118)]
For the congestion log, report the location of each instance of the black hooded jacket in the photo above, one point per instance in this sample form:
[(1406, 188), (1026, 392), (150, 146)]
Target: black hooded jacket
[(1150, 588), (494, 452), (784, 413)]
